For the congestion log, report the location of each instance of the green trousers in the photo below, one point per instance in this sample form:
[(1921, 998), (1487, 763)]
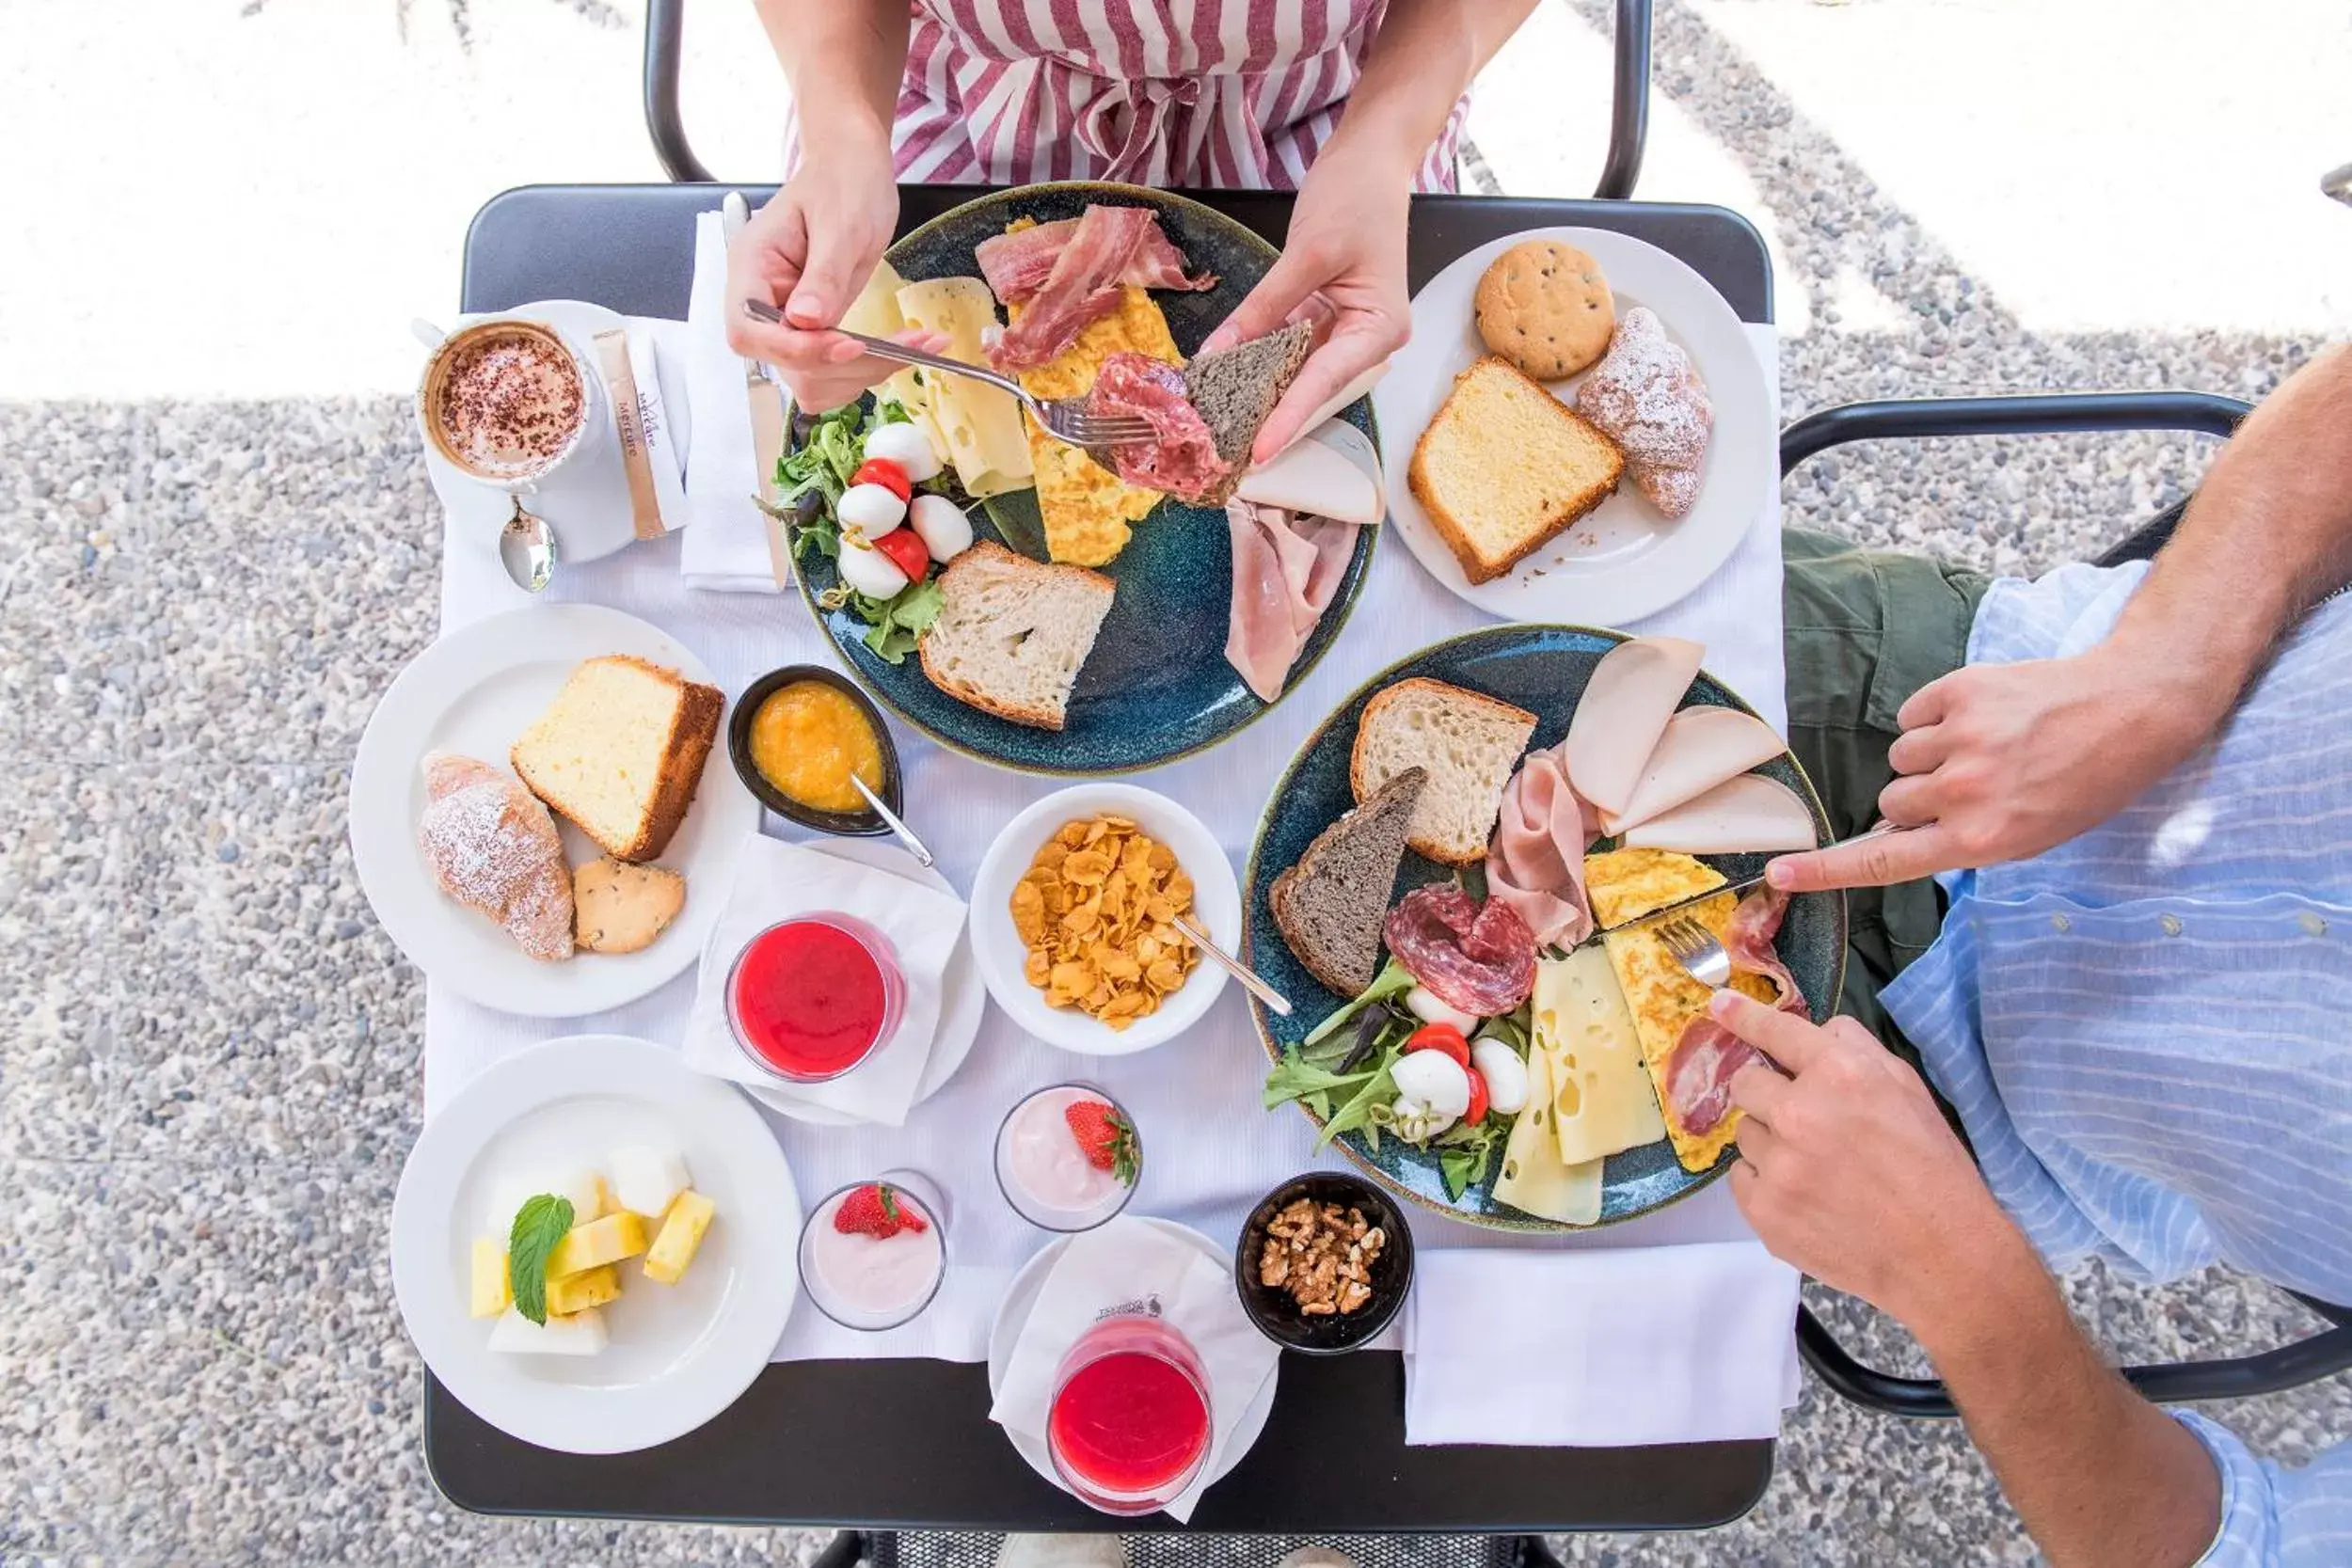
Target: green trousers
[(1865, 629)]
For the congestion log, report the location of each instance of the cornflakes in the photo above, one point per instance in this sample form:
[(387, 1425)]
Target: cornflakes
[(1097, 912)]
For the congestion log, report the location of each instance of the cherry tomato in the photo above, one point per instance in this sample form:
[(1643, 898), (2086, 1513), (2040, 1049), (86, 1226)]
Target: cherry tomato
[(1441, 1036), (904, 546), (1477, 1112), (882, 471)]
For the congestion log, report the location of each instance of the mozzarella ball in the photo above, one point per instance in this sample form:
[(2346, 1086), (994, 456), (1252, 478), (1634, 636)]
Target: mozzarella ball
[(907, 447), (873, 510), (1426, 1006), (1434, 1079), (942, 527), (1504, 1072), (867, 570)]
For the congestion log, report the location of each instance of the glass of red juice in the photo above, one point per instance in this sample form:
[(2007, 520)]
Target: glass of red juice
[(810, 998), (1129, 1426)]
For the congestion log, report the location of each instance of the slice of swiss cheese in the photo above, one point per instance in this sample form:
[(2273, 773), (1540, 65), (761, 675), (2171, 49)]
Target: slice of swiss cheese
[(1535, 1178), (1600, 1087), (979, 425)]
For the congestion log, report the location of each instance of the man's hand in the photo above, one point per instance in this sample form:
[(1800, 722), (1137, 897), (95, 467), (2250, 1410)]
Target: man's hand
[(2001, 762), (1847, 1169), (1344, 259)]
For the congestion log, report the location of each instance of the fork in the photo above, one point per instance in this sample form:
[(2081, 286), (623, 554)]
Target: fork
[(1698, 951), (1064, 419)]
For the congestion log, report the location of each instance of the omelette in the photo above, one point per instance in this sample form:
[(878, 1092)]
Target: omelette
[(1624, 885), (1087, 508)]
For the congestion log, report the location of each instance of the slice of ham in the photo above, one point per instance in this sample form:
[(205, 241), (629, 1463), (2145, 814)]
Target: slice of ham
[(1535, 862), (1700, 1068), (1478, 958), (1700, 748), (1633, 692), (1181, 458), (1100, 251), (1286, 571), (1750, 814)]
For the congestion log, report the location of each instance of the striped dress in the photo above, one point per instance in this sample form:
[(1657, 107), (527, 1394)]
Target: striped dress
[(2148, 1030), (1219, 94)]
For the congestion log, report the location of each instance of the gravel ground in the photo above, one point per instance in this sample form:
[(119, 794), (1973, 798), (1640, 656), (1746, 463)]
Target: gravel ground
[(208, 1072)]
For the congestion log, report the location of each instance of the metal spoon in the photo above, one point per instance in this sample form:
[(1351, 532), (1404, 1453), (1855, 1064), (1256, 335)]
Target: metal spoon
[(905, 835), (1275, 1001), (526, 549)]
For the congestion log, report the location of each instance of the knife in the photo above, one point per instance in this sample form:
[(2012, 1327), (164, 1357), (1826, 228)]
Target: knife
[(766, 406), (1750, 885)]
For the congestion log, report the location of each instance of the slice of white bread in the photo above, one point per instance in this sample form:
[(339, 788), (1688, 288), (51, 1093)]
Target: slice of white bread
[(1468, 742), (620, 752), (1505, 467), (1013, 632)]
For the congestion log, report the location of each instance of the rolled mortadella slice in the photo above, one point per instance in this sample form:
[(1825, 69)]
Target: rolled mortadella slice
[(1633, 692), (1750, 814), (1702, 747)]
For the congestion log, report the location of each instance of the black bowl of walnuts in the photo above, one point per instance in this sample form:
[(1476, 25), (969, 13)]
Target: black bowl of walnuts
[(1324, 1263)]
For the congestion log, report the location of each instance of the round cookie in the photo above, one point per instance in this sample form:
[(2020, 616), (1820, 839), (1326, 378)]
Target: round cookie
[(1546, 307)]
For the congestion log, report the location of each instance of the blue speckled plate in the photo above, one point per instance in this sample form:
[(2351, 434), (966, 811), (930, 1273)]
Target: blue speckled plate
[(1543, 670), (1156, 687)]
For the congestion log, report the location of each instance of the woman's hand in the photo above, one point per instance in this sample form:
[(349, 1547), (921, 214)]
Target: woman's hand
[(1344, 260), (809, 251)]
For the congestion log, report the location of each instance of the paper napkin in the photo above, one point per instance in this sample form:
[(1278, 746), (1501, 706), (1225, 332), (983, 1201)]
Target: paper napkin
[(1603, 1348), (775, 881), (726, 549), (1124, 1262)]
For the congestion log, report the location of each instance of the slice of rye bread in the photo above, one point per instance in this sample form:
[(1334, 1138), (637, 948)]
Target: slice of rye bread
[(1330, 904), (1505, 467), (1469, 742), (1234, 391), (1012, 633)]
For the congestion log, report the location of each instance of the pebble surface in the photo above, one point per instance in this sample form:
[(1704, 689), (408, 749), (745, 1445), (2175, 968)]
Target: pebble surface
[(208, 1050)]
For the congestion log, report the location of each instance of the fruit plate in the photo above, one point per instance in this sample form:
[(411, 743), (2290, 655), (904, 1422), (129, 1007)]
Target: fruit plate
[(1156, 686), (1543, 670)]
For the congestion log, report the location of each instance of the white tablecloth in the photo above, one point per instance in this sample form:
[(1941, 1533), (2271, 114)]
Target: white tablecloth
[(1211, 1152)]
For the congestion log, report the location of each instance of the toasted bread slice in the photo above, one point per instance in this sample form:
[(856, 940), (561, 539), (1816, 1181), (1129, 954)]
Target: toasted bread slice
[(1013, 632), (620, 752), (1330, 904), (1468, 742), (1505, 467)]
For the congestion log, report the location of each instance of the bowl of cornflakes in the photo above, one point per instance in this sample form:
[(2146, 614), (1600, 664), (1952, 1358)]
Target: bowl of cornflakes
[(1075, 914)]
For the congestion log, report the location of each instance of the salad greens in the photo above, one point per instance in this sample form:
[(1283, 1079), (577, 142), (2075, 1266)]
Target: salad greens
[(809, 480)]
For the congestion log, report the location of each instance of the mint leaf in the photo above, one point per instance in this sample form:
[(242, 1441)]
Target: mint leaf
[(539, 1224)]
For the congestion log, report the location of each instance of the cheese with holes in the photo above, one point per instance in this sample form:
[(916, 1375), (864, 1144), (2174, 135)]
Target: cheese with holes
[(1535, 1178), (1601, 1092), (978, 427)]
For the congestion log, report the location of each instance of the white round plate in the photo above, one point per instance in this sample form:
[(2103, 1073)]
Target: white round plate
[(679, 1354), (1215, 903), (474, 692), (587, 501), (1623, 560), (959, 1010), (1012, 1316)]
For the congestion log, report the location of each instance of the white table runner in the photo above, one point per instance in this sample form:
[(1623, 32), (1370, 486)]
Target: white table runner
[(1211, 1152)]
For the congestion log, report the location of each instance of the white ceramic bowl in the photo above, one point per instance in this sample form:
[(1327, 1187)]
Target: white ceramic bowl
[(997, 947)]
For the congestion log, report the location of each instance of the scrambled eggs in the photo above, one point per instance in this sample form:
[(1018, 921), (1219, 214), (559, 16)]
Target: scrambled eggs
[(1087, 508)]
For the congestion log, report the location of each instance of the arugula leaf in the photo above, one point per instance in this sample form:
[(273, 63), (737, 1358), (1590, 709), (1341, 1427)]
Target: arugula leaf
[(1359, 1113), (1466, 1153), (1293, 1078), (900, 621), (539, 1224), (1511, 1029), (1394, 979)]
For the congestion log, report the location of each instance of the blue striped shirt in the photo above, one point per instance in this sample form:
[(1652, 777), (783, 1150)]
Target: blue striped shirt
[(2148, 1030)]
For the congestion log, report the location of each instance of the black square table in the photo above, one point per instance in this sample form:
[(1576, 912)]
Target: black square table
[(907, 1443)]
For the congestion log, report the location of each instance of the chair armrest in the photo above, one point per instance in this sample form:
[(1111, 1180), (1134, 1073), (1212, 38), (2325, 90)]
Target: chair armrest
[(1628, 101), (665, 29), (848, 1547), (2322, 1354), (2040, 414)]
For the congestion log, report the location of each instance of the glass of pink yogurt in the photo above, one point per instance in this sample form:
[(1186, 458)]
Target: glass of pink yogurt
[(1068, 1158), (873, 1253)]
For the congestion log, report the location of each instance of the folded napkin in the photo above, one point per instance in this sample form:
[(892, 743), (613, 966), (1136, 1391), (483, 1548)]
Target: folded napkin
[(1114, 1268), (775, 881), (1605, 1348), (726, 549)]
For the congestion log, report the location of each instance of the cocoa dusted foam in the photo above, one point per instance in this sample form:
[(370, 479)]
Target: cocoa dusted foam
[(509, 401)]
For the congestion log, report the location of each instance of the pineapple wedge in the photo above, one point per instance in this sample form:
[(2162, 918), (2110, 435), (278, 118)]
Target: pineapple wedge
[(681, 1234), (491, 1292), (576, 1292), (606, 1241)]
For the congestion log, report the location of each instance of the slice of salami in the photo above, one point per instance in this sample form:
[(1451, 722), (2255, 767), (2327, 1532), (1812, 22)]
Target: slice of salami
[(1700, 1068), (1479, 959), (1181, 458)]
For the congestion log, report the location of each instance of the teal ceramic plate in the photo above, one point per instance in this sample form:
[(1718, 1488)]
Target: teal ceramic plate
[(1156, 687), (1543, 670)]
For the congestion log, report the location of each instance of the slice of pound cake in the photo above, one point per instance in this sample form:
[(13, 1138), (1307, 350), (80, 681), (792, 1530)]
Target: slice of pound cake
[(1505, 467), (621, 750)]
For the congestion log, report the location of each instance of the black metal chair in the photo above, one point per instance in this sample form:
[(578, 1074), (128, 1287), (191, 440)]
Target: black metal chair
[(1628, 115), (2235, 1377)]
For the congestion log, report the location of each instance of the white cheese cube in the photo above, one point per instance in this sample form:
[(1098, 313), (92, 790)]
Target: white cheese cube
[(645, 1177), (582, 1333)]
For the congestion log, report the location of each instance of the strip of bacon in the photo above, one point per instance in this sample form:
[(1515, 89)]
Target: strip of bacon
[(1017, 264), (1701, 1067), (1095, 259)]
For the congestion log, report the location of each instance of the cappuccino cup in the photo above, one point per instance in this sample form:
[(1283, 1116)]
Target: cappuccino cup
[(508, 402)]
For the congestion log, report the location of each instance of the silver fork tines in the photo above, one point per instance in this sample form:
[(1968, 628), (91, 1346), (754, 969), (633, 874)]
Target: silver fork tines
[(1695, 948)]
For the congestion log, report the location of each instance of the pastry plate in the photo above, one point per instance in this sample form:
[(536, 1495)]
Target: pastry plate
[(1623, 560), (474, 692), (679, 1354)]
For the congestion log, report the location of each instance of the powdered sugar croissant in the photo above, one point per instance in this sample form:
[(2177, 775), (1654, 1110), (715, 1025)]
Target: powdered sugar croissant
[(493, 848), (1647, 397)]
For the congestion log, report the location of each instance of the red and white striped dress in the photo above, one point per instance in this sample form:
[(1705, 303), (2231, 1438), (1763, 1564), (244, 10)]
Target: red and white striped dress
[(1222, 94)]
